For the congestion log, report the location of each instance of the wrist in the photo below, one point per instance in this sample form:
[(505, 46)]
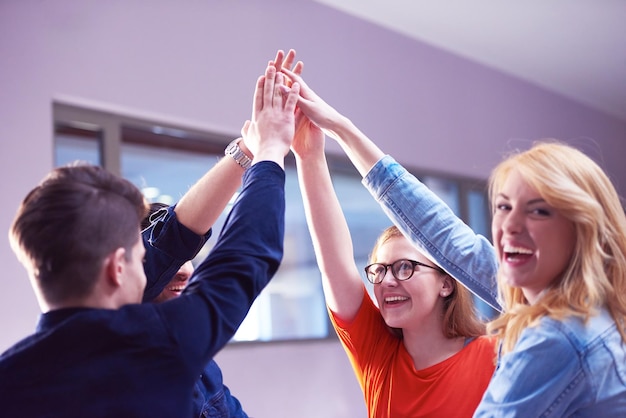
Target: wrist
[(235, 151), (244, 148)]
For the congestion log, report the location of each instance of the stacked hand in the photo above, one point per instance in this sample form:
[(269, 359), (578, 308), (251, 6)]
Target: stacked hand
[(282, 90), (269, 134)]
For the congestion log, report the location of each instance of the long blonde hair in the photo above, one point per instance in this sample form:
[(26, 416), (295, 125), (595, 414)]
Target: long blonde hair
[(576, 186), (459, 312)]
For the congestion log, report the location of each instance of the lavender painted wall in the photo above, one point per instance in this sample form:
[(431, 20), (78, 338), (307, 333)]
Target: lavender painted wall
[(195, 62)]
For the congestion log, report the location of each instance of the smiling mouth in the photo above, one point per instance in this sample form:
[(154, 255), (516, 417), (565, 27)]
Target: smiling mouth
[(512, 253), (392, 300)]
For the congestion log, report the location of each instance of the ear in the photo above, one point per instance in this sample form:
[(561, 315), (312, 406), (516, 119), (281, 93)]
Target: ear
[(447, 286), (114, 267)]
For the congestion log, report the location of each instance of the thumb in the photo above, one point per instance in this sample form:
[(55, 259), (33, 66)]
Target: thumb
[(244, 128)]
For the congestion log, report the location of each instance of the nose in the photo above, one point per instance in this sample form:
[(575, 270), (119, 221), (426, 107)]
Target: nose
[(513, 222), (389, 279)]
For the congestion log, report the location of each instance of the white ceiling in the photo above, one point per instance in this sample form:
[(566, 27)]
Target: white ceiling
[(574, 47)]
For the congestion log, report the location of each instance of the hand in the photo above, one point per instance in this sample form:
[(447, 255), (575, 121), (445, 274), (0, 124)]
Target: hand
[(287, 61), (313, 107), (308, 139), (269, 133)]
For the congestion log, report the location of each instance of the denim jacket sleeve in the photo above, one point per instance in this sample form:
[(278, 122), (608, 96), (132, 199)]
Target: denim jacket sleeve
[(434, 228), (169, 244)]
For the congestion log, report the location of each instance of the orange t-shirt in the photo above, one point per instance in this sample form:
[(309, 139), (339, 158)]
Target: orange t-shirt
[(393, 388)]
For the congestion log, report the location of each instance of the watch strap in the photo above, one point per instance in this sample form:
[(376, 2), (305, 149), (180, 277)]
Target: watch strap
[(237, 154)]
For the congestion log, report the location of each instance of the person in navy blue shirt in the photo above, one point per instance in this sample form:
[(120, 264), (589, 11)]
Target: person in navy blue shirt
[(97, 351), (211, 397)]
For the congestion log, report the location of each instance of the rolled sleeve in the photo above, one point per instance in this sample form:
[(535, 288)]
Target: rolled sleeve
[(169, 244)]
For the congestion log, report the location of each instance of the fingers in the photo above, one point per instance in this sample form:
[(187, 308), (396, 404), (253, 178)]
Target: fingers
[(271, 90), (305, 91), (292, 98), (279, 84), (278, 61), (244, 128), (288, 62), (298, 68), (257, 103), (295, 77), (268, 87)]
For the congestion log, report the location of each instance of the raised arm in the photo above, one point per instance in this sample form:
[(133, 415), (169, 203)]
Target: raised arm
[(250, 246), (202, 204), (177, 234), (424, 218), (342, 283)]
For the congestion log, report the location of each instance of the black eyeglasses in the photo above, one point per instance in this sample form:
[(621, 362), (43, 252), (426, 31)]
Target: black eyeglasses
[(401, 269)]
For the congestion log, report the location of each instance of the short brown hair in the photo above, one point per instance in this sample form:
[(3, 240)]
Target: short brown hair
[(68, 224)]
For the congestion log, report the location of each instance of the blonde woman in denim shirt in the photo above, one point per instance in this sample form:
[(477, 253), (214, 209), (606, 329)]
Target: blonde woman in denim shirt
[(562, 333)]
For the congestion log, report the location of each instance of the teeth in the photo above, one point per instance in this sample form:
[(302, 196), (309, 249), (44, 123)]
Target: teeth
[(518, 250), (395, 299), (176, 288)]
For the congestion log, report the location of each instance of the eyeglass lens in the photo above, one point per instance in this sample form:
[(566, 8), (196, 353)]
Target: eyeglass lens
[(401, 270)]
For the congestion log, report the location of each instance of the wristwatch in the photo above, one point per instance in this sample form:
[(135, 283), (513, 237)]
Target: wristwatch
[(238, 155)]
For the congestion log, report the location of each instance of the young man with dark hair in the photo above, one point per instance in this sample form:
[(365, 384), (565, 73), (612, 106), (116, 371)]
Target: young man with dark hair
[(97, 351)]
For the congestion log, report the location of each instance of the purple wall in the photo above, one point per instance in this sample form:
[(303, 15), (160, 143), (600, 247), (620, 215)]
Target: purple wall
[(195, 63)]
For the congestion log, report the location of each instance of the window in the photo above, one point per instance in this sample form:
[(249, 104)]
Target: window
[(165, 160)]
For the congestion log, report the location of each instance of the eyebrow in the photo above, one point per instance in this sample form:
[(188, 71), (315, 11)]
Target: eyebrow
[(530, 202)]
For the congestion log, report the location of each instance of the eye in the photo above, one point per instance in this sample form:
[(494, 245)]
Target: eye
[(502, 207), (541, 212), (375, 269), (404, 266)]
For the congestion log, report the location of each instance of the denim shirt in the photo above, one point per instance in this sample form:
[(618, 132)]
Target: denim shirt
[(212, 399), (559, 368), (169, 244)]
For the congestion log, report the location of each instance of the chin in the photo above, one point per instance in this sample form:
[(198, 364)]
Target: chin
[(394, 322)]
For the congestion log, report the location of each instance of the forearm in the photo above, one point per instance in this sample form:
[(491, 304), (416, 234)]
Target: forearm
[(244, 259), (331, 237), (361, 150), (204, 202)]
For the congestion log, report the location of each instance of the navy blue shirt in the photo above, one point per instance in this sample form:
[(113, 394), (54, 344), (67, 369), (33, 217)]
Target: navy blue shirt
[(143, 360), (170, 244)]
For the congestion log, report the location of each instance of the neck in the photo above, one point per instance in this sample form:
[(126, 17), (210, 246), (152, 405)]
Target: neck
[(429, 348)]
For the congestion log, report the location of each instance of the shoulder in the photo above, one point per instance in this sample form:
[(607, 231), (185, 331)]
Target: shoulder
[(574, 331), (483, 346)]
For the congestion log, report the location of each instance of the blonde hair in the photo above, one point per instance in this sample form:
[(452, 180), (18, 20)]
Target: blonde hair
[(576, 186), (459, 313)]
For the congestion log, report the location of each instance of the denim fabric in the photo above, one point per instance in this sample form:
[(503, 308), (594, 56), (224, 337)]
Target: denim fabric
[(143, 360), (169, 244), (557, 368), (212, 399), (561, 369), (432, 226)]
